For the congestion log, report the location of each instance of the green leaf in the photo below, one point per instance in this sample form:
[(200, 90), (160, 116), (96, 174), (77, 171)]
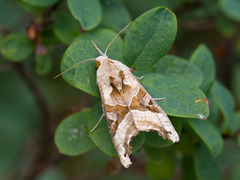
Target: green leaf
[(186, 140), (187, 166), (71, 136), (51, 174), (150, 37), (20, 121), (161, 169), (225, 102), (236, 122), (28, 7), (237, 46), (176, 68), (115, 15), (203, 59), (41, 3), (65, 27), (181, 98), (101, 136), (226, 27), (10, 14), (238, 141), (152, 139), (84, 76), (208, 133), (153, 153), (87, 12), (214, 111), (235, 83), (179, 68), (16, 47), (137, 7), (43, 64), (235, 175), (230, 8), (205, 166)]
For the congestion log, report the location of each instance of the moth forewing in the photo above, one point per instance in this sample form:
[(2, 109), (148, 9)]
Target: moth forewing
[(128, 107)]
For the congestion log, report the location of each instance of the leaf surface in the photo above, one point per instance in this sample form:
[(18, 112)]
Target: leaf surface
[(225, 102), (41, 3), (87, 12), (150, 37), (16, 47), (203, 59), (177, 68), (65, 27), (115, 16), (181, 98), (72, 136), (209, 134), (206, 167)]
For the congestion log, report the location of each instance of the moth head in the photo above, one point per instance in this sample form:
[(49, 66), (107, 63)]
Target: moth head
[(100, 59)]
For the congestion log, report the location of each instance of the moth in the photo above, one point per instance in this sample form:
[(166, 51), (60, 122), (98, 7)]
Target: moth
[(128, 107)]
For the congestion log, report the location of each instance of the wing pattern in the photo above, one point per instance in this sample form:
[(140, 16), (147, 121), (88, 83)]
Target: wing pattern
[(129, 108)]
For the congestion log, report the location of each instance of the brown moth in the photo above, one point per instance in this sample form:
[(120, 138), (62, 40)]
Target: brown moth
[(128, 107)]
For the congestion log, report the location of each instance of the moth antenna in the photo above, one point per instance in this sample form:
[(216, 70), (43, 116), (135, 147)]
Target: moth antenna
[(73, 67), (97, 48), (93, 129), (116, 37)]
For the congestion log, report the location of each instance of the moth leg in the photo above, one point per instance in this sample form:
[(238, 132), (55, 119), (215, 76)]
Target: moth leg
[(159, 99), (97, 124), (139, 77)]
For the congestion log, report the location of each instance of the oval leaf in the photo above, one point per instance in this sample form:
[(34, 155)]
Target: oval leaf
[(177, 68), (84, 75), (65, 27), (150, 37), (153, 153), (230, 8), (188, 172), (182, 98), (16, 47), (101, 136), (115, 16), (204, 165), (161, 169), (43, 64), (203, 59), (42, 3), (208, 133), (152, 139), (236, 122), (87, 12), (225, 102), (72, 137)]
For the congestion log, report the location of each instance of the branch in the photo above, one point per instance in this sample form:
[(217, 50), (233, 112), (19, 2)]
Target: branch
[(196, 25)]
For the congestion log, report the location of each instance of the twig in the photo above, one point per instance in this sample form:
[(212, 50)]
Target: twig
[(37, 94), (196, 25)]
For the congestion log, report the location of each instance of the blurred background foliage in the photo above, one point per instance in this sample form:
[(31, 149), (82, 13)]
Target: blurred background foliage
[(34, 34)]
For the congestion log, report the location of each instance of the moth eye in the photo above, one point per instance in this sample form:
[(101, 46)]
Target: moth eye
[(150, 102), (97, 64)]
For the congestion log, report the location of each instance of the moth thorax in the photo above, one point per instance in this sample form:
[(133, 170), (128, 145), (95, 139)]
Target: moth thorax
[(100, 60)]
